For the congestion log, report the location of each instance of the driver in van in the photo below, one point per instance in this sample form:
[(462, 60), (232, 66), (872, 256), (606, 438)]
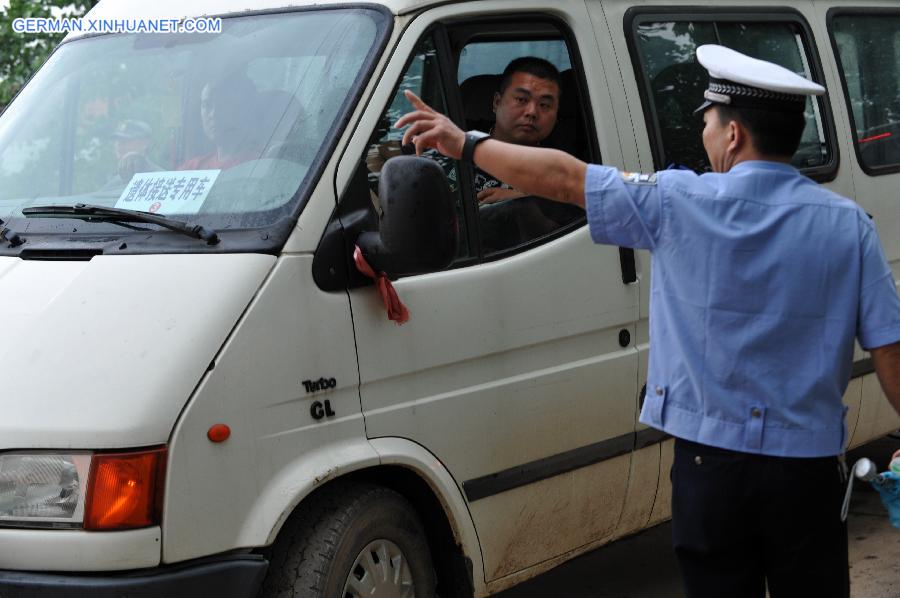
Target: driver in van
[(526, 106), (226, 123), (762, 280), (525, 109)]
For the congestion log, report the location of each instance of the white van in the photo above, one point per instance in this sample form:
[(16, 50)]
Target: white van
[(207, 399)]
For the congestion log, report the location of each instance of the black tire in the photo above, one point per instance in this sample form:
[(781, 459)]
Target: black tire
[(317, 546)]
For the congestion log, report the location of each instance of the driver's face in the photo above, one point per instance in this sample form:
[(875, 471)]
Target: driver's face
[(526, 110)]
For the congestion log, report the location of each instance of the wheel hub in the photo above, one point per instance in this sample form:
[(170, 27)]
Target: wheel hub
[(380, 571)]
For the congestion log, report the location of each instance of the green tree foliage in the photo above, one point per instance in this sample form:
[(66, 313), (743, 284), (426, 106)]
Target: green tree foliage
[(21, 53)]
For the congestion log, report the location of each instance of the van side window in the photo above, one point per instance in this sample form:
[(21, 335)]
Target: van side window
[(423, 78), (457, 69), (507, 224), (674, 82), (478, 58), (869, 50)]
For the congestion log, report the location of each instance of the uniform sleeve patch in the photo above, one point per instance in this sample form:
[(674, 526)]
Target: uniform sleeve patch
[(638, 178)]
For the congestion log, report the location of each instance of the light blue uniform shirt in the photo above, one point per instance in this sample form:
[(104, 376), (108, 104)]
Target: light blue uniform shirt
[(761, 280)]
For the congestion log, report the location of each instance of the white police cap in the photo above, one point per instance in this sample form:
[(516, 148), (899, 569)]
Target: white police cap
[(738, 80)]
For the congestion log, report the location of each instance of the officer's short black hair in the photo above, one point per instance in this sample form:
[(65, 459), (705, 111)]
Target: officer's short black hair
[(540, 68), (773, 133)]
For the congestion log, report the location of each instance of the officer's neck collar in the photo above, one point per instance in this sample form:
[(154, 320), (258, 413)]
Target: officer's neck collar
[(762, 165)]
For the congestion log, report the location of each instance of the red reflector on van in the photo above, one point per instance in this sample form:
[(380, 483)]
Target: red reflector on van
[(218, 433)]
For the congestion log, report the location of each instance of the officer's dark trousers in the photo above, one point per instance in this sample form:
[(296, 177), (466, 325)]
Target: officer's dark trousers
[(742, 521)]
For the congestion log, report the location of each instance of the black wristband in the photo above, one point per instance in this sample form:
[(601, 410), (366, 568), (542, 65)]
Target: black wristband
[(473, 138)]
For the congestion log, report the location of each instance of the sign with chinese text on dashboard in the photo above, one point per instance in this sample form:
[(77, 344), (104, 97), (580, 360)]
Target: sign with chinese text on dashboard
[(168, 192)]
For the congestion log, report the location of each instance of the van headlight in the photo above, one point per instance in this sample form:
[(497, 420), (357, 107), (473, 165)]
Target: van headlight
[(92, 491), (42, 489)]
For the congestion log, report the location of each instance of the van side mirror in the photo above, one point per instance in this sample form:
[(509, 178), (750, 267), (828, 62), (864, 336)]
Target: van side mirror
[(418, 225)]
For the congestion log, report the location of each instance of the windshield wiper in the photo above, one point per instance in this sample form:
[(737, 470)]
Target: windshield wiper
[(91, 213), (10, 236)]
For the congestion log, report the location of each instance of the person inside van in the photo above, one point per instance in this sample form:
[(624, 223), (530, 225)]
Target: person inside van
[(525, 109), (223, 115), (132, 141), (525, 106)]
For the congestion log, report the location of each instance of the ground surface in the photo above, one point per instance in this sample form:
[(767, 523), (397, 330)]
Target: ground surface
[(644, 567)]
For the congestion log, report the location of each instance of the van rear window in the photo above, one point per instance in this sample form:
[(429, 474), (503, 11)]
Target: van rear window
[(868, 47), (674, 81)]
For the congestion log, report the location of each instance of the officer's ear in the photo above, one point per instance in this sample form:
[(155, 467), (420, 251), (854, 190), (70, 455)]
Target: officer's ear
[(496, 101), (738, 135)]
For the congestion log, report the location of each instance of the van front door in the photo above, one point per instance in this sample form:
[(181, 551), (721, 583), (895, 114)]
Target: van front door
[(517, 370)]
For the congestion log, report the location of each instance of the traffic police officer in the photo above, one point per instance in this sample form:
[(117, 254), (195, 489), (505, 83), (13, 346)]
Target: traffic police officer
[(762, 279)]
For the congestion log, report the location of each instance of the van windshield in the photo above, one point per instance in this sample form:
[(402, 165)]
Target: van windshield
[(224, 130)]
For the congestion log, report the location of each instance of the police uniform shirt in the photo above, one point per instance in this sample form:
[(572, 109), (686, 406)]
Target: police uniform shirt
[(761, 280)]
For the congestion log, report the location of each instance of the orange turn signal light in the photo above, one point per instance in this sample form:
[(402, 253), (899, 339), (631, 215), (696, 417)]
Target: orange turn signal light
[(125, 490)]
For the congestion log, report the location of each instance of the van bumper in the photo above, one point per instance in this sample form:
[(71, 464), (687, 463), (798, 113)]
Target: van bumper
[(224, 577)]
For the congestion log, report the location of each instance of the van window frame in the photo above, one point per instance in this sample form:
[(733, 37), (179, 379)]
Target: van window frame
[(448, 62), (636, 16), (448, 65), (584, 104), (438, 33), (832, 13)]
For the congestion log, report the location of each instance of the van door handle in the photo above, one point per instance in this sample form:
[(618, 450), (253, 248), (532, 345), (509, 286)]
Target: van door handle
[(626, 260)]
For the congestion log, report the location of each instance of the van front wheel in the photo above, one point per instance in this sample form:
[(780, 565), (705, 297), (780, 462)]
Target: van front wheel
[(351, 540)]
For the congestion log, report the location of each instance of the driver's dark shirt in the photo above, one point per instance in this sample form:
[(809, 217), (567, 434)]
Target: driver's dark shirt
[(484, 180)]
